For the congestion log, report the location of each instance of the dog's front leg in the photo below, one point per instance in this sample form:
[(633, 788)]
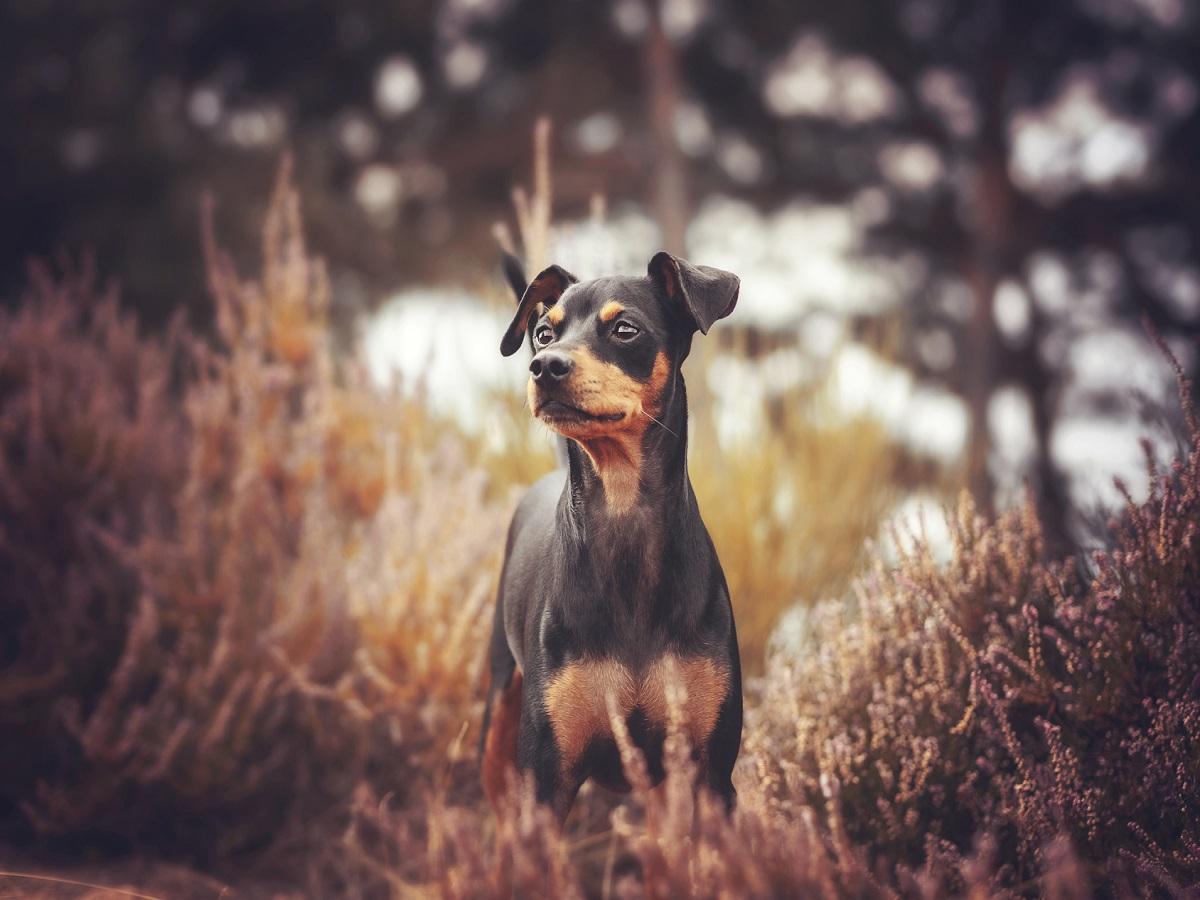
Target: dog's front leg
[(538, 756)]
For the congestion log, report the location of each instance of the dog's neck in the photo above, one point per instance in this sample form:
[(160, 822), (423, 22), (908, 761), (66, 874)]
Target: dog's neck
[(634, 478)]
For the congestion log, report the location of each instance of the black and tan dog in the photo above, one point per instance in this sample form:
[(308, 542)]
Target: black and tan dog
[(611, 587)]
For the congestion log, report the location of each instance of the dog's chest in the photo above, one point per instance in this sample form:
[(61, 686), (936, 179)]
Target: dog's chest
[(582, 697)]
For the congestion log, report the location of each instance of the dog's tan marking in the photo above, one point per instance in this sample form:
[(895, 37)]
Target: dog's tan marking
[(614, 448), (577, 704), (500, 746), (577, 699), (653, 392), (618, 462), (618, 458), (705, 684), (610, 311), (531, 395), (556, 315)]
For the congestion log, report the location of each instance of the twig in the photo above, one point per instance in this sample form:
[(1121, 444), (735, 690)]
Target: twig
[(54, 879)]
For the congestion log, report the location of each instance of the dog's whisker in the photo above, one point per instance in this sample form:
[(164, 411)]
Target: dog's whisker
[(656, 421)]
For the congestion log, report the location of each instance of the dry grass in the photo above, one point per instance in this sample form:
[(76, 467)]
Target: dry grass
[(791, 516), (251, 597)]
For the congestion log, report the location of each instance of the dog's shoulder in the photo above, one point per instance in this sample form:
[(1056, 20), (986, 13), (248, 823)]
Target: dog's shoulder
[(533, 523), (541, 499)]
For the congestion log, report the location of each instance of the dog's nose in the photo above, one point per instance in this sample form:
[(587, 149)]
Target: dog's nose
[(550, 365)]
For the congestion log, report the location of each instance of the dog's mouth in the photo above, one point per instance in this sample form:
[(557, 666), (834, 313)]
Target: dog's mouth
[(557, 411)]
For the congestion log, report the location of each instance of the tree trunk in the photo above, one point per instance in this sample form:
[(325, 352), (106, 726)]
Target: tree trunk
[(661, 70), (1053, 498), (669, 195), (986, 264), (990, 255)]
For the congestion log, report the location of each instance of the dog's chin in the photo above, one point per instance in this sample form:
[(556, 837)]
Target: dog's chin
[(575, 421)]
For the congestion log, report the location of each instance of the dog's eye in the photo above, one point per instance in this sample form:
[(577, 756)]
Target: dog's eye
[(625, 331), (544, 335)]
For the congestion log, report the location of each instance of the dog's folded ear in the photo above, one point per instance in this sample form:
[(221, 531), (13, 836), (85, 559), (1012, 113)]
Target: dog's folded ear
[(706, 294), (514, 274), (545, 289)]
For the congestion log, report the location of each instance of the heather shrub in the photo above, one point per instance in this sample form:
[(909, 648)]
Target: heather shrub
[(1039, 705), (90, 446), (305, 609)]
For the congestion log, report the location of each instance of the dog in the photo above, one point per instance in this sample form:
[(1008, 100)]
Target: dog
[(611, 590)]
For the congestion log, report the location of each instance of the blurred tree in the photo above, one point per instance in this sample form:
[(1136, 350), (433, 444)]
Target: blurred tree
[(1004, 142), (409, 123)]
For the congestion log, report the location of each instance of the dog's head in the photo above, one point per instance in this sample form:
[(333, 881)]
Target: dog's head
[(606, 350)]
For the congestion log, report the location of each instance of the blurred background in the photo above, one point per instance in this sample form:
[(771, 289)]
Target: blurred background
[(950, 218)]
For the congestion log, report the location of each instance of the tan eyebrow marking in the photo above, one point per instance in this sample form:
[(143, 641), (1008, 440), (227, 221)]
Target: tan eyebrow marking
[(555, 316), (610, 311)]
